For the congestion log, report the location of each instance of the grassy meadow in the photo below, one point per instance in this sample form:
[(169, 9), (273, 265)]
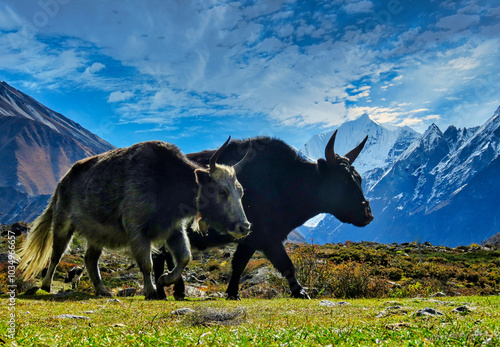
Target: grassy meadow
[(363, 294), (275, 322)]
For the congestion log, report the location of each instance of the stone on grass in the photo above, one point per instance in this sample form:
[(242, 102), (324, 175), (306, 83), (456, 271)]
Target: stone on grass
[(329, 303), (428, 311), (71, 316), (462, 309), (127, 292), (183, 311)]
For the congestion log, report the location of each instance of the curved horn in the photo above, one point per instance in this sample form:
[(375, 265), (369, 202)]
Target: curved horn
[(352, 155), (239, 165), (329, 151), (215, 156)]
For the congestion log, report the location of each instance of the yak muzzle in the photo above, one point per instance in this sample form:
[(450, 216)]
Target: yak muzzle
[(240, 230), (368, 211)]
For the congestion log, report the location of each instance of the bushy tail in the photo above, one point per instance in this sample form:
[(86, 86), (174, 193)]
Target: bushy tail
[(37, 248)]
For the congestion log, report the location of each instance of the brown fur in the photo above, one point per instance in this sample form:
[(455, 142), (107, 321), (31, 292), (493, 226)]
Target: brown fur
[(127, 198)]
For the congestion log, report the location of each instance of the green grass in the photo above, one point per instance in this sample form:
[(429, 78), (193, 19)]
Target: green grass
[(277, 322)]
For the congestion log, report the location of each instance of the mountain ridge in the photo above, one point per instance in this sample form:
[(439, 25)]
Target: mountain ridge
[(441, 189), (37, 147)]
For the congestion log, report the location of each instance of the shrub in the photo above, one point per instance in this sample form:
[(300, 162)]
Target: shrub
[(350, 280)]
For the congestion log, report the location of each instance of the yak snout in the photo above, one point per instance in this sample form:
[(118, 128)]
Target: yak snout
[(240, 230), (368, 213)]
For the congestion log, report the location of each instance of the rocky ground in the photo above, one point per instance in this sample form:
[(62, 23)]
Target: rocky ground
[(397, 270)]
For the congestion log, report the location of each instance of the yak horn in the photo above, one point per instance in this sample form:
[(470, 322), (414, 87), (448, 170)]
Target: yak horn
[(215, 156), (352, 155), (239, 165), (329, 151)]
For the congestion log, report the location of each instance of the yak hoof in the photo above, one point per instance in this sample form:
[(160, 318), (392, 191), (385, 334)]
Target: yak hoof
[(104, 293), (234, 297), (101, 291), (179, 297), (152, 296), (301, 294), (161, 293)]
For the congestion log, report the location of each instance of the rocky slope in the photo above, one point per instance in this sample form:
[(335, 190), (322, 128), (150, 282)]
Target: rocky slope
[(37, 147)]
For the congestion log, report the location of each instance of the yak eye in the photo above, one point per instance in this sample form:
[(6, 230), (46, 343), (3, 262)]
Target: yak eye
[(224, 194)]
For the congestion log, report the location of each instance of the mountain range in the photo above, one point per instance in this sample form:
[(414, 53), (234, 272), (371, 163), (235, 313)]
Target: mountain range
[(37, 147), (440, 187)]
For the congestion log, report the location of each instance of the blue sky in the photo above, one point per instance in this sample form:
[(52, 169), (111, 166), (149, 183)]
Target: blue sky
[(194, 72)]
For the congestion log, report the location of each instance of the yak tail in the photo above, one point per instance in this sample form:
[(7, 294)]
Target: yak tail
[(36, 250)]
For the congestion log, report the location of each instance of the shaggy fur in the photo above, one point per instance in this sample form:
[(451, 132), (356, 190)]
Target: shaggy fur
[(127, 198)]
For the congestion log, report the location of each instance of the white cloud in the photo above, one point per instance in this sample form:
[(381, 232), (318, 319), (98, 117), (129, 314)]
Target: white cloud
[(95, 67), (119, 96), (218, 58), (457, 22), (358, 7)]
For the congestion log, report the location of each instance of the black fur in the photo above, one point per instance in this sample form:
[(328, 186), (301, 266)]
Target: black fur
[(282, 191)]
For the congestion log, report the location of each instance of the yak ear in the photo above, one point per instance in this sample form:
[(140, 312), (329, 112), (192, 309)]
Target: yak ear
[(202, 176), (322, 166)]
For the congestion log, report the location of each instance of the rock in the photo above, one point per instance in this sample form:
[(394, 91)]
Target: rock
[(217, 295), (259, 276), (127, 292), (397, 326), (183, 311), (259, 291), (193, 292), (462, 309), (382, 314), (329, 303), (396, 307), (70, 316), (64, 294), (112, 300), (438, 295), (428, 312)]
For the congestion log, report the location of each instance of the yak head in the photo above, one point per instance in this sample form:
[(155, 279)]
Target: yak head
[(219, 198), (340, 192)]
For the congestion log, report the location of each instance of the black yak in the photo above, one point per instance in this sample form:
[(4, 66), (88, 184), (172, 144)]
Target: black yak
[(129, 197), (282, 191)]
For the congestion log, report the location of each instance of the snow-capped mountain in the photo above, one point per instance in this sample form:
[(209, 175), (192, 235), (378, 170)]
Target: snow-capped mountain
[(37, 147), (383, 145), (443, 188)]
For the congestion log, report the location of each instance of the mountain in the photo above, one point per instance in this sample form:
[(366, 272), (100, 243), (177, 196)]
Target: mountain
[(384, 145), (443, 188), (37, 147)]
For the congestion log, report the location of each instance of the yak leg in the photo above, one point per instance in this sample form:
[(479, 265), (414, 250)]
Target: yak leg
[(240, 260), (141, 248), (159, 260), (179, 287), (178, 246), (277, 255), (62, 233), (158, 267), (91, 259)]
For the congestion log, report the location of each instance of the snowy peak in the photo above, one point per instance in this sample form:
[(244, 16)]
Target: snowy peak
[(383, 144)]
